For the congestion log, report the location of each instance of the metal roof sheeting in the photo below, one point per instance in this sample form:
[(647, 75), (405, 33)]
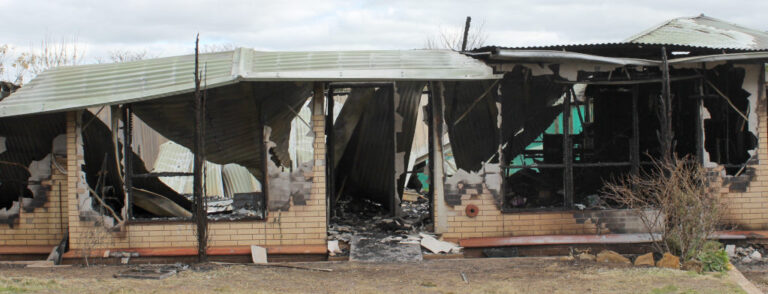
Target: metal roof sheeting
[(703, 31), (78, 87), (535, 56)]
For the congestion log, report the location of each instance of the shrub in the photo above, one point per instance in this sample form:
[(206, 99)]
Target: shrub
[(674, 201), (713, 258)]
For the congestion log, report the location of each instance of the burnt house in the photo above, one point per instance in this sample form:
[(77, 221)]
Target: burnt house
[(533, 132)]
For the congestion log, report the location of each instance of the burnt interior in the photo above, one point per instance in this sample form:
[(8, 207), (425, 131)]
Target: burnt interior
[(604, 141)]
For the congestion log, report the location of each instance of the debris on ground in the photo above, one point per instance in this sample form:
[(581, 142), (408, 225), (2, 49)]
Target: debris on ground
[(436, 246), (376, 248), (152, 272), (745, 255), (368, 221)]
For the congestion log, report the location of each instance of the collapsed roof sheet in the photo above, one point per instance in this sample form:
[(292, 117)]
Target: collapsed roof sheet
[(703, 31), (78, 87)]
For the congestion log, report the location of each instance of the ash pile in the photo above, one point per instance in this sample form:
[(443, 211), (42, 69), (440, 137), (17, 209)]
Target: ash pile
[(357, 218)]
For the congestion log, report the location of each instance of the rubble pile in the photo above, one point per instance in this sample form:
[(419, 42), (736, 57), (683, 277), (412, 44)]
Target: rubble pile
[(745, 255), (369, 220)]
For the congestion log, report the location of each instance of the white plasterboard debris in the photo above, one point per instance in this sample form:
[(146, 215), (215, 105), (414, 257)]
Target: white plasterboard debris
[(333, 247), (437, 246), (258, 254)]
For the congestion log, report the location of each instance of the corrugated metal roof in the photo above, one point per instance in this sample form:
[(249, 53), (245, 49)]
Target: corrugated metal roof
[(77, 87), (176, 158), (703, 31)]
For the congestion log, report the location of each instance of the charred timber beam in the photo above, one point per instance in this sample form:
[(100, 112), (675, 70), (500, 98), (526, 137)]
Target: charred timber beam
[(357, 85), (664, 110), (330, 176), (128, 156), (635, 147), (201, 213), (630, 82), (163, 174), (699, 118), (567, 151), (585, 164), (429, 117)]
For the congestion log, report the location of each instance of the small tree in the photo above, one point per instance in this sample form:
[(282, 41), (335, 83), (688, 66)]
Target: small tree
[(673, 199)]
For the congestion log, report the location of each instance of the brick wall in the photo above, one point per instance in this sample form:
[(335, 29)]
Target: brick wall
[(44, 226), (749, 209), (491, 222), (300, 225)]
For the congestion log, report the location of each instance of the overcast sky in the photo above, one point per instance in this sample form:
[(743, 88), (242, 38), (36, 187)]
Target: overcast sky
[(164, 28)]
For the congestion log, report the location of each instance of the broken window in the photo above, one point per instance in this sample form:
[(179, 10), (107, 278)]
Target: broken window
[(30, 148), (728, 139)]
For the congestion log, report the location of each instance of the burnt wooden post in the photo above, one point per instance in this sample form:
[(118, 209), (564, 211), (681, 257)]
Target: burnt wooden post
[(466, 34), (567, 152), (699, 119), (394, 200), (428, 116), (264, 153), (128, 156), (330, 188), (665, 111), (201, 213), (635, 146)]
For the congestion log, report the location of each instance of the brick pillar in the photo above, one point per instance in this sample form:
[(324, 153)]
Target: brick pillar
[(318, 127)]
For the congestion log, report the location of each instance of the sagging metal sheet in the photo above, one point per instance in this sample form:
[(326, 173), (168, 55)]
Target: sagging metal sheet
[(234, 118), (98, 147), (475, 138), (373, 152)]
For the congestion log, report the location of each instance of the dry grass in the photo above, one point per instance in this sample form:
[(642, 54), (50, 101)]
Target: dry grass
[(516, 275)]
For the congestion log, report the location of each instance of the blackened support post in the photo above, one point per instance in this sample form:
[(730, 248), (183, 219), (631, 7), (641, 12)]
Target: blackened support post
[(330, 184), (700, 119), (431, 154), (665, 113), (201, 213), (394, 198), (567, 152), (635, 146), (466, 34), (128, 157)]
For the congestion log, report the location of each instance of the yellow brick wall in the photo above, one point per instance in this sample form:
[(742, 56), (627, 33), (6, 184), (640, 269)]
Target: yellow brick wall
[(749, 210), (491, 222), (44, 226), (300, 225)]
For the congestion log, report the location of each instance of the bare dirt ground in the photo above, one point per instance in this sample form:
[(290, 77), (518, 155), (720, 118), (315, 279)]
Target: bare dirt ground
[(757, 274), (490, 275)]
